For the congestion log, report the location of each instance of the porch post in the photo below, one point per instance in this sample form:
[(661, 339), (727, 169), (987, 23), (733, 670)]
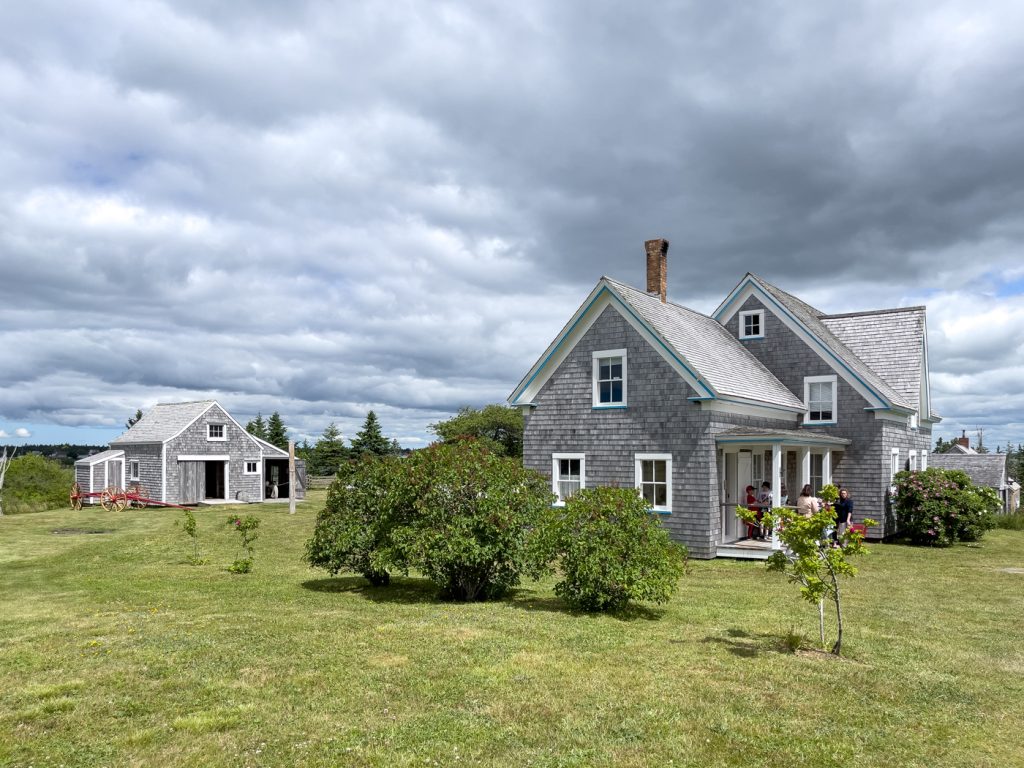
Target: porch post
[(778, 479), (805, 466), (826, 468)]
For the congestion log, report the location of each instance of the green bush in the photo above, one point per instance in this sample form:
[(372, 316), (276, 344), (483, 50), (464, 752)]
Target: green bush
[(612, 550), (367, 500), (938, 507), (34, 483), (474, 514)]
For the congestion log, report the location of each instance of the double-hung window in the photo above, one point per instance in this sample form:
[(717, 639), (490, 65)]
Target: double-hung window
[(568, 474), (820, 399), (654, 479), (894, 464), (913, 461), (610, 378), (133, 469)]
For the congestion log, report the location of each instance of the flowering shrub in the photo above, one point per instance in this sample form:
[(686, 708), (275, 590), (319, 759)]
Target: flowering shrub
[(938, 507)]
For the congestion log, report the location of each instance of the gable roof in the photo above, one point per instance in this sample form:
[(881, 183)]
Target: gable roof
[(709, 357), (723, 362), (166, 421), (985, 469), (889, 341), (812, 321)]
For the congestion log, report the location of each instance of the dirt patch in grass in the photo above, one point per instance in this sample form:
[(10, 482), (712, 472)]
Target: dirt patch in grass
[(79, 531)]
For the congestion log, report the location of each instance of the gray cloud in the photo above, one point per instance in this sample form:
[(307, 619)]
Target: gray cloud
[(320, 209)]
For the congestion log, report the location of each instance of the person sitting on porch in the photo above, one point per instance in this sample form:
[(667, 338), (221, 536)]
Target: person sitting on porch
[(753, 529), (807, 505)]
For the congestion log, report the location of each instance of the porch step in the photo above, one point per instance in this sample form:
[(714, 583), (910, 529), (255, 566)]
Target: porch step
[(745, 550)]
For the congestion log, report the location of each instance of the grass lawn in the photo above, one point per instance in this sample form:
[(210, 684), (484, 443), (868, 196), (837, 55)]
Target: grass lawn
[(116, 652)]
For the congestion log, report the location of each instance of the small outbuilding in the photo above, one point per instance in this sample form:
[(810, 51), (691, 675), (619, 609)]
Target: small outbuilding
[(984, 469), (190, 453), (99, 471)]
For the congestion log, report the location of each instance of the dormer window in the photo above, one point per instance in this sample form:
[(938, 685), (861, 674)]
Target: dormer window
[(610, 379), (820, 399), (215, 432), (752, 324)]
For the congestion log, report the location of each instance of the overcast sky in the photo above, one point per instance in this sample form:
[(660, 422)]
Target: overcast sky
[(321, 208)]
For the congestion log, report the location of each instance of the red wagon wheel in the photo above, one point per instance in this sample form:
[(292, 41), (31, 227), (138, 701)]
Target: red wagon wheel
[(75, 497), (114, 499), (138, 496)]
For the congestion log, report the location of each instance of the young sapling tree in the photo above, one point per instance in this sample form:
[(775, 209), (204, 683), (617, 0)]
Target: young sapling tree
[(810, 558)]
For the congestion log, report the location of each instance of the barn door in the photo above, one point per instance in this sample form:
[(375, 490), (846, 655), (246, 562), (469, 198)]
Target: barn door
[(192, 488)]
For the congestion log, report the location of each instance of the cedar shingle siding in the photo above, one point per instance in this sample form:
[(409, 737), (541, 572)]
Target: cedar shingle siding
[(748, 388)]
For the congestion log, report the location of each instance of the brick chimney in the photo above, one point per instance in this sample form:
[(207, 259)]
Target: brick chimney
[(657, 267), (963, 440)]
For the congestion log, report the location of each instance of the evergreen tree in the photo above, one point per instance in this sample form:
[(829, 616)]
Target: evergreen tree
[(133, 420), (370, 439), (277, 432), (329, 453), (257, 427)]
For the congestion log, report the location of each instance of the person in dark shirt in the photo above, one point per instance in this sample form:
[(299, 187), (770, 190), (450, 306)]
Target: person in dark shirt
[(844, 513)]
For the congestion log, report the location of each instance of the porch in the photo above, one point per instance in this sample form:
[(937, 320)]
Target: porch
[(776, 464)]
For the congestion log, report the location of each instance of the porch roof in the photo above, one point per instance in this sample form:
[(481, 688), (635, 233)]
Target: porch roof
[(782, 436)]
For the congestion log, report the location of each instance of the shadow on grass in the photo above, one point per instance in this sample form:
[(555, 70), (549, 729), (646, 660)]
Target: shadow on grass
[(406, 590), (748, 646), (631, 612), (401, 590)]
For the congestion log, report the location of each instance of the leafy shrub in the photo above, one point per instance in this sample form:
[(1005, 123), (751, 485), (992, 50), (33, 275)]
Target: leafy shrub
[(247, 529), (473, 515), (34, 483), (939, 507), (353, 531), (612, 550)]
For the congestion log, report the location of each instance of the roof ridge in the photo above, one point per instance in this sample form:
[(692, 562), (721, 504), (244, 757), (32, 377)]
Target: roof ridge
[(892, 310)]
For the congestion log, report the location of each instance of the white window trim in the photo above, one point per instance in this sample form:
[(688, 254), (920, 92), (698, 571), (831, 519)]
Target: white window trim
[(760, 323), (223, 433), (555, 458), (894, 464), (595, 366), (924, 460), (808, 380), (913, 461), (245, 467), (134, 469), (638, 476)]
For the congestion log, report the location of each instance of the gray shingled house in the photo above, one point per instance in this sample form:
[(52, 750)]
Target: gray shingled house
[(984, 469), (691, 409), (188, 453)]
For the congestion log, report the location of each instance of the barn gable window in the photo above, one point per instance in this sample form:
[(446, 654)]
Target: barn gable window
[(215, 432)]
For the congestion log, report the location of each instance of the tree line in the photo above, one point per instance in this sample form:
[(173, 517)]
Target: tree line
[(497, 427)]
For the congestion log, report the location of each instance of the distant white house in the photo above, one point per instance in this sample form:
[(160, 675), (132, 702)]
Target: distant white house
[(188, 453)]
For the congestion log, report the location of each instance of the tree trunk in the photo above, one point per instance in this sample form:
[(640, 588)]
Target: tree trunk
[(821, 621), (838, 647)]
